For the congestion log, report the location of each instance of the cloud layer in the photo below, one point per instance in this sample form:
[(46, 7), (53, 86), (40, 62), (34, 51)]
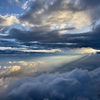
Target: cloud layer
[(76, 40), (75, 85)]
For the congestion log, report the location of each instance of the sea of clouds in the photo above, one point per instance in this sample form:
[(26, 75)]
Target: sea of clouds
[(77, 84)]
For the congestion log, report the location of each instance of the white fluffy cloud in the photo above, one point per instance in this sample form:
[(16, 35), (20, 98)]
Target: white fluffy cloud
[(21, 68), (8, 20)]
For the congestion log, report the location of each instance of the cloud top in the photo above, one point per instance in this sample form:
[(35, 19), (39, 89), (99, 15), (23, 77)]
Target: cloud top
[(74, 85)]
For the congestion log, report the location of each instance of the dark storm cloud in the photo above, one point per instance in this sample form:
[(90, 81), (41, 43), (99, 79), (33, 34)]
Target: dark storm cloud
[(40, 36), (74, 85), (40, 46), (88, 39)]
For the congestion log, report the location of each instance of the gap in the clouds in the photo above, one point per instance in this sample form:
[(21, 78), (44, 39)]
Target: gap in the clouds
[(23, 65), (10, 7), (19, 66)]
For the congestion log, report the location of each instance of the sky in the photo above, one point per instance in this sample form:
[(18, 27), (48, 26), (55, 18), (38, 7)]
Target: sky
[(49, 50), (48, 25)]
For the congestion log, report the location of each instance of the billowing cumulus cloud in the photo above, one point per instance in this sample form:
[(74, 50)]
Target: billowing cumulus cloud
[(75, 85)]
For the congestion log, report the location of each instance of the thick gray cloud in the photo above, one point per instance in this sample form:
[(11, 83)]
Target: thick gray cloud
[(40, 36), (88, 39), (75, 85), (44, 12)]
